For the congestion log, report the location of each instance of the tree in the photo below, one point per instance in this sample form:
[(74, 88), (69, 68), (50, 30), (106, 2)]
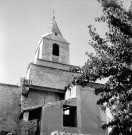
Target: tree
[(113, 59)]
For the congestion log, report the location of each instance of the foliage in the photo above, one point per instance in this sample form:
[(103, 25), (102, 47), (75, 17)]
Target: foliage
[(113, 60)]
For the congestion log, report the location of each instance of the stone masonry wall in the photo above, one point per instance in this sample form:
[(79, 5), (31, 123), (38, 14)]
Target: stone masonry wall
[(9, 107), (40, 97), (47, 50), (50, 77)]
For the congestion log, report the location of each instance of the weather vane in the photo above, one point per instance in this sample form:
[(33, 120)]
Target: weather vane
[(53, 13)]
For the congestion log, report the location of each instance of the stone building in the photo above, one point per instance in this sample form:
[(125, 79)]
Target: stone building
[(9, 107), (49, 74), (42, 102)]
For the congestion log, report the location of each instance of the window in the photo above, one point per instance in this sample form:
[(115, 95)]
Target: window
[(35, 114), (55, 50), (56, 34), (69, 116)]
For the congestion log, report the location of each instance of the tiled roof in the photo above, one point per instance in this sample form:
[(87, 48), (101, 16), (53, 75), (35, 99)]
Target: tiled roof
[(48, 88)]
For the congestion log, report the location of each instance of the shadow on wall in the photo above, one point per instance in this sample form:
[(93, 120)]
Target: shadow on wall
[(5, 133)]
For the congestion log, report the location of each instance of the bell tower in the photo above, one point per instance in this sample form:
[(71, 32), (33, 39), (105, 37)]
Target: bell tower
[(52, 46)]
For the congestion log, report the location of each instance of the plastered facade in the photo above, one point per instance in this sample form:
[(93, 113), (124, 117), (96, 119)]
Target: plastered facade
[(88, 115)]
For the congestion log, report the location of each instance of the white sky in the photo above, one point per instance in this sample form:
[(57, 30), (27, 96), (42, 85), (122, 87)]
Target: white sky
[(22, 22)]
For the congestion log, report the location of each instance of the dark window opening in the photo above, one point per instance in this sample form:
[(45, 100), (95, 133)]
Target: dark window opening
[(55, 50), (61, 96), (56, 34), (69, 116), (36, 114)]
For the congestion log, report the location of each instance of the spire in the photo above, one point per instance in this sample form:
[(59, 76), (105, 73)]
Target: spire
[(53, 14), (53, 28)]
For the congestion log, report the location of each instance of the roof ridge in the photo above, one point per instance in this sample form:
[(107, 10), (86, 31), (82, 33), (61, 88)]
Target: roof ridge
[(6, 84)]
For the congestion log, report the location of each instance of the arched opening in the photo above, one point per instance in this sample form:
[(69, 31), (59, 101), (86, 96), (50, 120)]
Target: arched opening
[(55, 50)]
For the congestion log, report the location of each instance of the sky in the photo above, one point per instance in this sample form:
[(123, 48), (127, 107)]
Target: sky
[(23, 22)]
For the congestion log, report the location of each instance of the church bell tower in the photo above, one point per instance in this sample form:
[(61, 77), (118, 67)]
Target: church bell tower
[(52, 46)]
